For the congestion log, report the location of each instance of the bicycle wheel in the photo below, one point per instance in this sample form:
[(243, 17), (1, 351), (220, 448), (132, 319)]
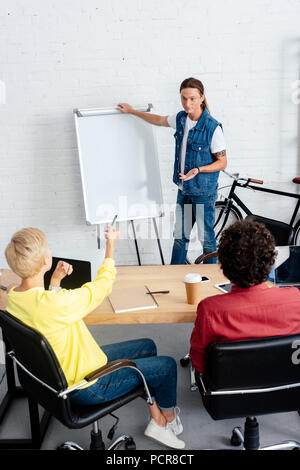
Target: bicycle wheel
[(225, 217), (296, 239)]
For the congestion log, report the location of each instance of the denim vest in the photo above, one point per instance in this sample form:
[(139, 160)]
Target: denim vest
[(197, 154)]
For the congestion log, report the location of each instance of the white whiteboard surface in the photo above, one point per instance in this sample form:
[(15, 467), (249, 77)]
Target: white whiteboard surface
[(119, 166)]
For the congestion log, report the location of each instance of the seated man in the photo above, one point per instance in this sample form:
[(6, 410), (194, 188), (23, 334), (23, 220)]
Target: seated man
[(252, 309), (58, 314)]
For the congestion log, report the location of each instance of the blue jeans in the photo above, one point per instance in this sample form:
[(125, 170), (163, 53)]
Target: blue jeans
[(191, 209), (160, 373)]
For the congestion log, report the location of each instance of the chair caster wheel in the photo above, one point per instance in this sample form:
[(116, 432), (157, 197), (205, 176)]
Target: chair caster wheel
[(130, 444), (184, 361), (236, 439)]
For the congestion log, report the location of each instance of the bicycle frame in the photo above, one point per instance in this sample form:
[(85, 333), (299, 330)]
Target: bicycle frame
[(233, 197)]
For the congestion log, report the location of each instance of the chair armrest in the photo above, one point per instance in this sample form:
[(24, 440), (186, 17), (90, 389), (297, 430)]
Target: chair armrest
[(116, 365), (108, 368)]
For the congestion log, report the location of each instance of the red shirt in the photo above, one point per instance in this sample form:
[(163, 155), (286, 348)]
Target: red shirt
[(256, 312)]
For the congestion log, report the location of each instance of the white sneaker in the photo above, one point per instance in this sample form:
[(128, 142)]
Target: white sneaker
[(176, 424), (165, 435)]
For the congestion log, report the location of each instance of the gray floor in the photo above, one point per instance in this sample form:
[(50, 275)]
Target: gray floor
[(200, 431)]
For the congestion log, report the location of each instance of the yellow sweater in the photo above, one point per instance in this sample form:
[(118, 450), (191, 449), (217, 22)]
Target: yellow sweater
[(58, 315)]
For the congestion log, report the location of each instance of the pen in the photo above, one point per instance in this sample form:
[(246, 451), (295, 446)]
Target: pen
[(115, 217), (159, 292), (154, 299)]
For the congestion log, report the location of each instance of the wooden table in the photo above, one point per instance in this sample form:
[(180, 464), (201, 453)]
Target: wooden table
[(8, 279), (173, 307)]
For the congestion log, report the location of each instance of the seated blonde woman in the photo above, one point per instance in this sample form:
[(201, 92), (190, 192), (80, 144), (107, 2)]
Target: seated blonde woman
[(58, 314)]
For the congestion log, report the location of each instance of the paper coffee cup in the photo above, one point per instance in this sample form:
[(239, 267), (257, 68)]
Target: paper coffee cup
[(192, 283)]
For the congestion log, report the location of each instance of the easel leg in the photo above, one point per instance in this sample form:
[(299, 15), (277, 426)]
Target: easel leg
[(136, 245), (158, 241), (98, 236), (157, 238)]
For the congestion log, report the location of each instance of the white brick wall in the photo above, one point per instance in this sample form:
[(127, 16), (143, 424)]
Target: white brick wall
[(56, 55)]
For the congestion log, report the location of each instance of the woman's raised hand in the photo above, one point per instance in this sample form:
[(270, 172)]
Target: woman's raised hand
[(111, 234)]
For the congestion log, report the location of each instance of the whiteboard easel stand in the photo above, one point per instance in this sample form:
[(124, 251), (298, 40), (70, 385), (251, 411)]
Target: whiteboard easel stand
[(80, 113)]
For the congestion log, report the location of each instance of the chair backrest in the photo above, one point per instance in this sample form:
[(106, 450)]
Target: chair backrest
[(283, 233), (205, 256), (254, 364), (32, 349), (262, 362)]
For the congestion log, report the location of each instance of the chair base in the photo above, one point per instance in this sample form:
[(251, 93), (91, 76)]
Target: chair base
[(97, 441), (128, 441), (250, 439), (285, 445)]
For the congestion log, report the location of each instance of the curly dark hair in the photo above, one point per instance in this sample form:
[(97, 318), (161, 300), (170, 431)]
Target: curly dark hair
[(246, 253)]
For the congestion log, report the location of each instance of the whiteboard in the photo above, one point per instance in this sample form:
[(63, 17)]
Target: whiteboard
[(119, 166)]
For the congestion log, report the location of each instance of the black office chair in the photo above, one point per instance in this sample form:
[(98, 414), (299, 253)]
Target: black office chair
[(250, 378), (283, 233), (42, 378)]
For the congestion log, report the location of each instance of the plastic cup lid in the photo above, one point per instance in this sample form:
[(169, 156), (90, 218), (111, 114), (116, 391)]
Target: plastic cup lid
[(192, 278)]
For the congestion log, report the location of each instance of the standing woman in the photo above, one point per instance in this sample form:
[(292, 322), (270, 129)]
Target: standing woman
[(200, 154)]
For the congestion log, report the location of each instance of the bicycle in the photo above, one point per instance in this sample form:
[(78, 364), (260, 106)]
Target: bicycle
[(227, 212)]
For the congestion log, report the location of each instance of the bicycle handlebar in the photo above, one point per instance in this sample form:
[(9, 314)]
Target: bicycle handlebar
[(236, 177), (251, 180)]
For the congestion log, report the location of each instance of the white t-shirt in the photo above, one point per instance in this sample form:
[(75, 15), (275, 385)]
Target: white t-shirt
[(217, 141)]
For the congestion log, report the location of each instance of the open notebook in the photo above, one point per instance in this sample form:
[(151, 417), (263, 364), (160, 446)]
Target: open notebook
[(129, 299)]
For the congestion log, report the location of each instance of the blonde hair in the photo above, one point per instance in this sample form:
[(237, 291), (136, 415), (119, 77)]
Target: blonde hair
[(26, 250)]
